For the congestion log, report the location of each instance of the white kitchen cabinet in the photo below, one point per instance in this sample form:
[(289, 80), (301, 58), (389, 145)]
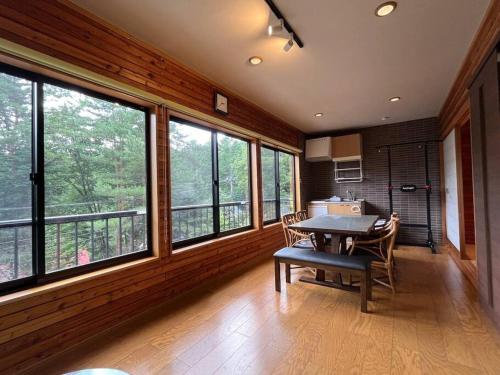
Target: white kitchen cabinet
[(317, 209), (319, 149)]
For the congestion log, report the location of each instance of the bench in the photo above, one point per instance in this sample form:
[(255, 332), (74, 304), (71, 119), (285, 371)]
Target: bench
[(354, 265)]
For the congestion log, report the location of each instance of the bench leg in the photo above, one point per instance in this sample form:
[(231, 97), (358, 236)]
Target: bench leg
[(364, 292), (287, 273), (369, 284), (277, 276)]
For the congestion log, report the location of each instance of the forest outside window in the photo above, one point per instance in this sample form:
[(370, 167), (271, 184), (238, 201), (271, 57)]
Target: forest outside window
[(278, 183), (210, 183), (74, 192)]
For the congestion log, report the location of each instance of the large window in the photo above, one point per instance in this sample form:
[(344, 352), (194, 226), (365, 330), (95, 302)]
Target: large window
[(278, 183), (210, 183), (74, 191)]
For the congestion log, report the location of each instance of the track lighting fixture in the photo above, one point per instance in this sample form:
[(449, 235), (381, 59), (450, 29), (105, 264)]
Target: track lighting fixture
[(275, 29), (289, 44), (283, 29)]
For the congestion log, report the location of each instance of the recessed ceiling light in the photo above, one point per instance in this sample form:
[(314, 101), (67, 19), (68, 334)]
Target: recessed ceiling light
[(255, 60), (319, 114), (395, 99), (385, 118), (385, 9)]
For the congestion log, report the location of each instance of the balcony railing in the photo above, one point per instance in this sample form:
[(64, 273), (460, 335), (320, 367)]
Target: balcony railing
[(71, 240), (75, 240), (197, 220), (286, 206)]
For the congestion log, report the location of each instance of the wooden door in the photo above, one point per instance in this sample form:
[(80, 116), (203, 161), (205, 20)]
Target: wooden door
[(485, 128)]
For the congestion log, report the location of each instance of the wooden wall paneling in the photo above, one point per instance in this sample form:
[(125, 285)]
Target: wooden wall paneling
[(27, 299), (456, 109), (485, 99)]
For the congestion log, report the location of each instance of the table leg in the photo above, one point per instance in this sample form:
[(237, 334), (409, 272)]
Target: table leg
[(343, 245), (335, 249), (320, 246), (335, 244)]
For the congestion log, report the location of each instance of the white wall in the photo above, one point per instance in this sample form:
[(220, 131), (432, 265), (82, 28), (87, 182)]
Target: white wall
[(451, 189)]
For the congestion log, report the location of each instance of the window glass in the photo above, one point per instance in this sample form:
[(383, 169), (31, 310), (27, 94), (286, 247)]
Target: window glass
[(74, 186), (234, 183), (95, 179), (287, 183), (207, 202), (269, 183), (278, 183), (192, 185), (15, 186)]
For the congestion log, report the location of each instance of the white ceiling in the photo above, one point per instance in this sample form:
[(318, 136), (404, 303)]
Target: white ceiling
[(351, 63)]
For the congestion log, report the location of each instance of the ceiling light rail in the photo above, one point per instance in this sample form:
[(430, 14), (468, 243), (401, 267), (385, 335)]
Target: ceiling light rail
[(287, 26)]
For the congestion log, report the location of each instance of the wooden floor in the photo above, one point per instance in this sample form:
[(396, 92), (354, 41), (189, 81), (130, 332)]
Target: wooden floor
[(240, 325)]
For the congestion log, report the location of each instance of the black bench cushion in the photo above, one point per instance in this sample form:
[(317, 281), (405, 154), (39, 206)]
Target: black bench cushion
[(360, 263)]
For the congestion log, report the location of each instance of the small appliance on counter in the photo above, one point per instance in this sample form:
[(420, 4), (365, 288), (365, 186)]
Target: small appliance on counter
[(334, 199)]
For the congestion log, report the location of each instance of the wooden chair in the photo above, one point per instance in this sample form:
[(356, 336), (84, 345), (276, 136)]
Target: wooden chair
[(377, 231), (296, 238), (301, 215), (382, 249)]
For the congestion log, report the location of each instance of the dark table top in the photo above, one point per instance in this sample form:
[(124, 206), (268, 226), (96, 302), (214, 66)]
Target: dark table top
[(338, 224)]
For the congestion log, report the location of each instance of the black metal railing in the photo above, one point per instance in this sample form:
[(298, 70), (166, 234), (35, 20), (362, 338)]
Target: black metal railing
[(269, 207), (71, 240), (197, 220)]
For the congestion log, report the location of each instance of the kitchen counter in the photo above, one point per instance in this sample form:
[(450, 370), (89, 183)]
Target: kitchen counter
[(344, 201), (344, 207)]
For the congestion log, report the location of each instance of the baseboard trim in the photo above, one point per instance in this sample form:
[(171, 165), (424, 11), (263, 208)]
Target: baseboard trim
[(464, 265)]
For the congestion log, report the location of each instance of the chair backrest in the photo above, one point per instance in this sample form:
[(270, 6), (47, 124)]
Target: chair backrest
[(388, 226), (391, 241), (301, 215), (287, 220)]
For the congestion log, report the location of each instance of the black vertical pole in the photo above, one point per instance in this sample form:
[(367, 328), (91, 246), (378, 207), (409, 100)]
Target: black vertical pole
[(277, 184), (39, 179), (215, 184), (430, 240), (389, 188)]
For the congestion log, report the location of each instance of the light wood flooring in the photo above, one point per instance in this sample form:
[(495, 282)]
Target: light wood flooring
[(240, 325)]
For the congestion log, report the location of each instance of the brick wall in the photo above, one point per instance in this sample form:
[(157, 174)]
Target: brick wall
[(407, 168)]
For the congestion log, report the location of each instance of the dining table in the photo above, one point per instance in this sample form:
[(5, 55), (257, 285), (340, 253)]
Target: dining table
[(339, 227)]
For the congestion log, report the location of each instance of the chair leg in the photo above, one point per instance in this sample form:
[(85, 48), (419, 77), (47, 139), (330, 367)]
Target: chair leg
[(287, 273), (364, 292), (391, 278), (277, 275)]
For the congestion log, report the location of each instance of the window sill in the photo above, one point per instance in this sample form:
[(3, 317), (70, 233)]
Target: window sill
[(199, 246), (274, 224), (54, 286)]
